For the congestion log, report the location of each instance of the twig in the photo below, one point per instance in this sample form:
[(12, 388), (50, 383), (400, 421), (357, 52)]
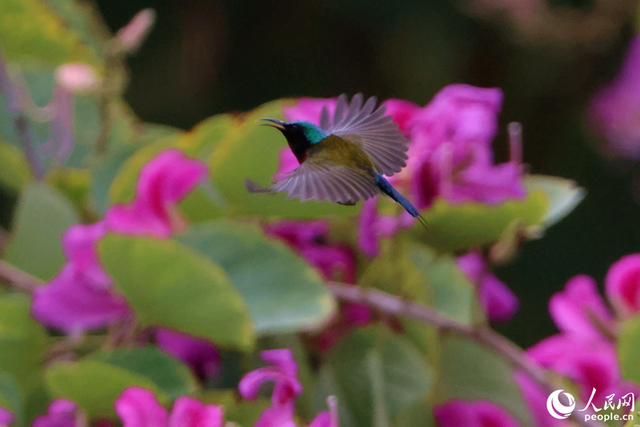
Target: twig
[(33, 158), (483, 335), (18, 278)]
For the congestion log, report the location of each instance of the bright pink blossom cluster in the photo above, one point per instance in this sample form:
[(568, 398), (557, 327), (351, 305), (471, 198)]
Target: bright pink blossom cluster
[(450, 155), (584, 351), (138, 407), (81, 297)]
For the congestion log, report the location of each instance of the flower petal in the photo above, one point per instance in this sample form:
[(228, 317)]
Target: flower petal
[(72, 302), (579, 309), (189, 412), (479, 413), (198, 353), (622, 285), (163, 182), (61, 413), (138, 407)]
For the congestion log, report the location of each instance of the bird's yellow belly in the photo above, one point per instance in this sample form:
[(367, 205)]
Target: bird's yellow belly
[(339, 151)]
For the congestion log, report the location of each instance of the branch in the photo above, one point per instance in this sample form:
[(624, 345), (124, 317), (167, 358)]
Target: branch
[(32, 156), (19, 279), (481, 334)]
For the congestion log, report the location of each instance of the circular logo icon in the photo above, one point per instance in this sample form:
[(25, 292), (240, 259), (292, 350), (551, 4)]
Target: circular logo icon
[(557, 409)]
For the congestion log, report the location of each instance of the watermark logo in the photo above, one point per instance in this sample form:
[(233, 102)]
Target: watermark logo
[(561, 411), (556, 408)]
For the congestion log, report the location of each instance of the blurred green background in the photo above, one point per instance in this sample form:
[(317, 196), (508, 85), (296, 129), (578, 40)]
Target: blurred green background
[(206, 57)]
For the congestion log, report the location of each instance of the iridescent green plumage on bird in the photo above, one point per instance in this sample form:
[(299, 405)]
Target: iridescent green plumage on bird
[(344, 159)]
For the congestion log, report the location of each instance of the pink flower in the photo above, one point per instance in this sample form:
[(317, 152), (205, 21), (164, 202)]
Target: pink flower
[(615, 108), (6, 417), (284, 373), (580, 309), (309, 109), (496, 298), (199, 354), (163, 182), (327, 418), (61, 413), (310, 240), (450, 153), (372, 226), (288, 162), (622, 285), (79, 247), (367, 236), (588, 363), (402, 113), (479, 413), (74, 304), (536, 399), (80, 297), (138, 407)]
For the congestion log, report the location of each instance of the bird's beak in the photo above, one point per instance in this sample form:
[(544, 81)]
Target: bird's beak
[(274, 123)]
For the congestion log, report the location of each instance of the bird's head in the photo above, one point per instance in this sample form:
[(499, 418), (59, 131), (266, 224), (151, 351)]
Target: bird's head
[(298, 133)]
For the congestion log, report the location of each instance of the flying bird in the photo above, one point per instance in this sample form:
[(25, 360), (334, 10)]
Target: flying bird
[(344, 159)]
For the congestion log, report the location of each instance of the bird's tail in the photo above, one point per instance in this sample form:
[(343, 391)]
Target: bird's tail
[(388, 189)]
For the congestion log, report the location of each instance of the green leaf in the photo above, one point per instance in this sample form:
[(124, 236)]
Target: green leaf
[(471, 224), (239, 412), (14, 168), (206, 135), (629, 349), (22, 341), (11, 398), (376, 376), (103, 176), (86, 129), (563, 196), (282, 291), (82, 19), (251, 151), (95, 386), (452, 294), (392, 271), (470, 372), (170, 375), (42, 216), (168, 284), (29, 30), (457, 228), (127, 137)]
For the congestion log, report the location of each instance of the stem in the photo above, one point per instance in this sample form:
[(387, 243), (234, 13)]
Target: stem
[(20, 279), (483, 335), (33, 158)]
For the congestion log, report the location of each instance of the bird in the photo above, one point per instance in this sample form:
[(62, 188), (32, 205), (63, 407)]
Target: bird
[(345, 158)]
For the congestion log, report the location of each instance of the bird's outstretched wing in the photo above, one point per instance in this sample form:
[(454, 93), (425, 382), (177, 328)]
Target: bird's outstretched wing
[(337, 184), (380, 137)]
